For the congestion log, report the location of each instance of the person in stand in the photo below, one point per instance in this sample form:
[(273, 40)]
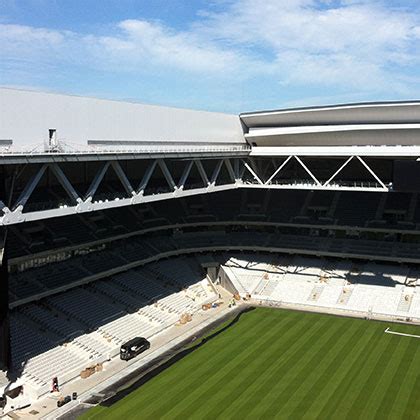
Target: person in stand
[(55, 384)]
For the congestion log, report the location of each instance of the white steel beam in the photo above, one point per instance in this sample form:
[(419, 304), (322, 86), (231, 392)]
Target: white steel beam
[(216, 172), (230, 169), (167, 174), (236, 168), (146, 177), (30, 186), (362, 187), (65, 183), (339, 170), (307, 170), (185, 174), (370, 171), (96, 181), (242, 170), (122, 177), (14, 217), (253, 173), (202, 172), (278, 170)]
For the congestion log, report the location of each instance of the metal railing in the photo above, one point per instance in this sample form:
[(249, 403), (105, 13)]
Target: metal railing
[(118, 149)]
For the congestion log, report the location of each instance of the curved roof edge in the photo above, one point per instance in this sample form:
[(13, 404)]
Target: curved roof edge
[(332, 107), (367, 123)]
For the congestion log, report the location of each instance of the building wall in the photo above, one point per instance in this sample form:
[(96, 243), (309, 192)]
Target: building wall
[(26, 117)]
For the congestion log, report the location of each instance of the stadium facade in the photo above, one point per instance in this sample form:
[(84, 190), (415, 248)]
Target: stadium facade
[(93, 188)]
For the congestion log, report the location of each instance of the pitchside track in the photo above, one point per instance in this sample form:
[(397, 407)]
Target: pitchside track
[(286, 364)]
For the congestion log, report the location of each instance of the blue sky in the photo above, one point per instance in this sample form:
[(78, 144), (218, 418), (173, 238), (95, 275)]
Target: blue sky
[(219, 55)]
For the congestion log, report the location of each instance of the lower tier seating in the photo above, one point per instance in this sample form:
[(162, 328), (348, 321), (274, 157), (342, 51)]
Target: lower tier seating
[(65, 333), (367, 288)]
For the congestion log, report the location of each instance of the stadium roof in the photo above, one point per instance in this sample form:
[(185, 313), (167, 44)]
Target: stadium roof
[(38, 127), (89, 125), (385, 124), (355, 113)]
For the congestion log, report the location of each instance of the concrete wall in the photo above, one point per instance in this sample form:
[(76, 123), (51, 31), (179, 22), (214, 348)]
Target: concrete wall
[(26, 117)]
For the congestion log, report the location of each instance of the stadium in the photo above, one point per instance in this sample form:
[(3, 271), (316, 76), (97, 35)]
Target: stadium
[(270, 259)]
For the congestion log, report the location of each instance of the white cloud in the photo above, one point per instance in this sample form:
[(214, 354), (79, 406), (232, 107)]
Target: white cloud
[(343, 44), (19, 41), (27, 34), (131, 45), (325, 42), (141, 41)]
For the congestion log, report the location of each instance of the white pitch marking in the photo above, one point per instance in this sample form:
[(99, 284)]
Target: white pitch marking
[(398, 333)]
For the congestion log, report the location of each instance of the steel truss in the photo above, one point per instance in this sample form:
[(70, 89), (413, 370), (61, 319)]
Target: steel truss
[(236, 168), (87, 202), (376, 186)]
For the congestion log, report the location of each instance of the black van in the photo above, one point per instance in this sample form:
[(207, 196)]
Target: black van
[(133, 347)]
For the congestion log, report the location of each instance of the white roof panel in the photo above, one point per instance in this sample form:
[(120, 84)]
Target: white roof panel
[(93, 124)]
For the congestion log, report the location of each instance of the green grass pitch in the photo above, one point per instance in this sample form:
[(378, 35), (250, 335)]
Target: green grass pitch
[(288, 365)]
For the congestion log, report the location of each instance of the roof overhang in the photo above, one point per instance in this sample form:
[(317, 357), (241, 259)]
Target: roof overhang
[(372, 124), (359, 113)]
